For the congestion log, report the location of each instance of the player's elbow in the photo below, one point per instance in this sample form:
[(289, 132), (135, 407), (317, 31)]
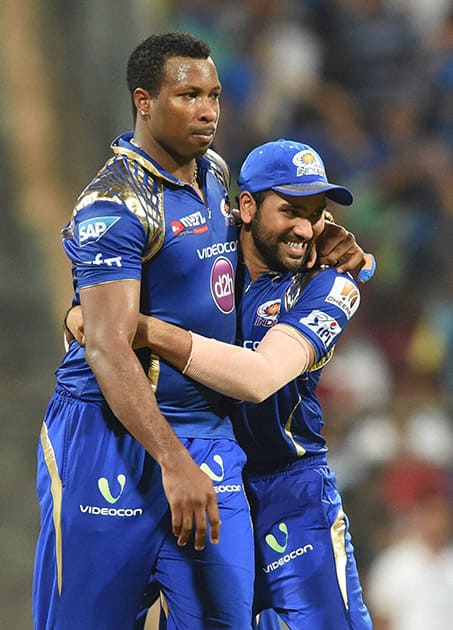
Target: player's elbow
[(101, 353), (95, 356), (257, 392)]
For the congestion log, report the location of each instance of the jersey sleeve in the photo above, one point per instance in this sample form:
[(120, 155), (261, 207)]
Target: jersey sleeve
[(324, 309), (105, 242)]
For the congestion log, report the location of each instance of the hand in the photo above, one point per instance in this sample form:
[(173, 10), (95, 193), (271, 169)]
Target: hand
[(338, 247), (192, 499), (74, 325)]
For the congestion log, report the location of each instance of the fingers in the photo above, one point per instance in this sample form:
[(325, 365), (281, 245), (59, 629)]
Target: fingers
[(338, 248), (200, 531), (341, 245), (214, 521), (183, 525), (352, 260), (193, 502), (368, 269), (312, 257)]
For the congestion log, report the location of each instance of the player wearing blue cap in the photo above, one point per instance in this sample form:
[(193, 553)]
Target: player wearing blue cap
[(293, 318)]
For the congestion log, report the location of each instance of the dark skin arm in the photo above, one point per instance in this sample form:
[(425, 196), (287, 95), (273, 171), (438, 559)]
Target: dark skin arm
[(110, 314)]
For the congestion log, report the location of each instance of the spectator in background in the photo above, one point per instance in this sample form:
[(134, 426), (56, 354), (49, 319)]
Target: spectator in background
[(410, 582)]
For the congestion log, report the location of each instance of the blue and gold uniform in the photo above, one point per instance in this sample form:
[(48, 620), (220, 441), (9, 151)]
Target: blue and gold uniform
[(103, 508), (305, 567)]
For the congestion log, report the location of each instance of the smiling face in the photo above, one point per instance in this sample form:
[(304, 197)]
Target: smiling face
[(181, 120), (280, 232)]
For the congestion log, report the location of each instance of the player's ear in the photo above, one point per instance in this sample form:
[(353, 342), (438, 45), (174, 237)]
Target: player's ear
[(142, 100), (247, 207)]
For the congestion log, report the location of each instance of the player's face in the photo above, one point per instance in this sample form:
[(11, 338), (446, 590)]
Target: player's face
[(285, 228), (183, 117)]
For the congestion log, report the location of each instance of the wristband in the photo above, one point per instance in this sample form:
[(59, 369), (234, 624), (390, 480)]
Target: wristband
[(367, 271)]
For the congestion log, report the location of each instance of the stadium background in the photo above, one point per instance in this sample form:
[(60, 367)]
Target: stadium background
[(370, 84)]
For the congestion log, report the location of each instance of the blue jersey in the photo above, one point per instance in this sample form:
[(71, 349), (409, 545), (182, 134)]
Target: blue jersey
[(136, 221), (288, 424)]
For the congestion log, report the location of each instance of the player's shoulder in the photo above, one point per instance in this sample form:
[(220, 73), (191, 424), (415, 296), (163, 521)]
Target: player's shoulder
[(112, 184), (123, 184), (339, 289), (329, 275)]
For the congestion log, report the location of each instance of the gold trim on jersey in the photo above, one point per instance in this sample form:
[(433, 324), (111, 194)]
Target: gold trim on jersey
[(219, 168), (322, 361), (299, 448), (131, 180), (56, 491), (163, 605), (154, 371), (337, 535)]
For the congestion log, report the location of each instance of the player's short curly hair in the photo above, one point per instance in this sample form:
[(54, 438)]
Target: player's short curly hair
[(145, 67)]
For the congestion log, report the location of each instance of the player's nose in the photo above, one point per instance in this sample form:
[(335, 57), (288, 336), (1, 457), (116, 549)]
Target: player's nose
[(303, 228)]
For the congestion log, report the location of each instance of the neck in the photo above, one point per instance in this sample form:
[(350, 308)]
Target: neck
[(255, 265), (180, 167)]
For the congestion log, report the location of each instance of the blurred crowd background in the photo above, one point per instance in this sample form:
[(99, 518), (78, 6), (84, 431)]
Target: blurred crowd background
[(369, 83)]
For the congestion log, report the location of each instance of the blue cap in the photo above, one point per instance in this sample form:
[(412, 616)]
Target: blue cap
[(290, 168)]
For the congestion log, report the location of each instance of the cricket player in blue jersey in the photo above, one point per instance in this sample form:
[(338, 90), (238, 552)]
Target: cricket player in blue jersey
[(290, 319), (134, 457)]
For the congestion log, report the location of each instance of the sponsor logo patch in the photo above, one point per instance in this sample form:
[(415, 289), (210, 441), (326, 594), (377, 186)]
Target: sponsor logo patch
[(92, 230), (279, 544), (105, 488), (345, 295), (216, 249), (194, 223), (114, 261), (222, 284), (267, 313), (323, 325), (219, 476), (308, 164)]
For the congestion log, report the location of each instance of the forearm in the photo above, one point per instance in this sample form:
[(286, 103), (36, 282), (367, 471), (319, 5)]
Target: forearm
[(171, 343), (237, 372), (250, 375)]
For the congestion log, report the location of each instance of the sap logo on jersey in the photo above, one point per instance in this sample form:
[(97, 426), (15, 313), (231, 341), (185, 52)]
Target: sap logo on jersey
[(94, 229), (323, 325)]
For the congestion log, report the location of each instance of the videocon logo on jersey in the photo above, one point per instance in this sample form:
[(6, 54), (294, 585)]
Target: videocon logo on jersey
[(104, 488), (111, 492), (273, 542), (211, 474), (278, 542), (219, 475)]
